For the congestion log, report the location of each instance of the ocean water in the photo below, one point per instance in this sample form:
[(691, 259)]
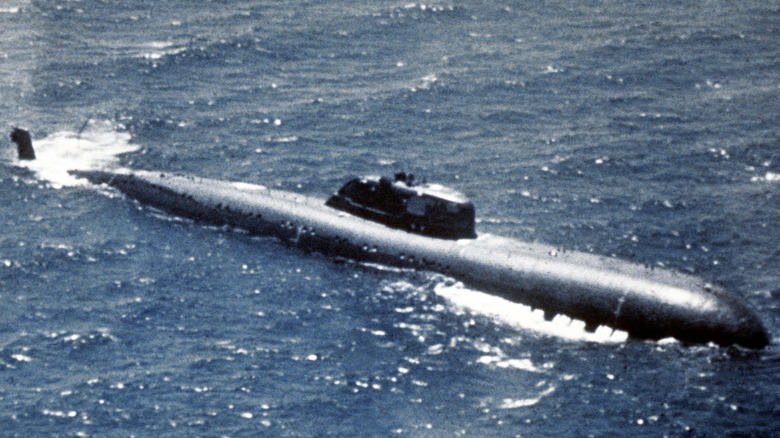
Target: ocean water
[(643, 130)]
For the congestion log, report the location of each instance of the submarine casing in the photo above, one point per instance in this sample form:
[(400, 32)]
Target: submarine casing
[(647, 303)]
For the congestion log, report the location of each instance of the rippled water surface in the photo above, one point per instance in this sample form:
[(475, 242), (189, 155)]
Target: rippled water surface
[(647, 131)]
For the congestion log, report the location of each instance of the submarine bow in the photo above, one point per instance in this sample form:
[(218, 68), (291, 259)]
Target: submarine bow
[(647, 303)]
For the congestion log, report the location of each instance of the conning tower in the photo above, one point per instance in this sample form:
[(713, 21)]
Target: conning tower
[(427, 209)]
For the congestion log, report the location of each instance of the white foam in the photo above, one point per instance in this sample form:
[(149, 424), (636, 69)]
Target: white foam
[(97, 146), (159, 49), (509, 403), (525, 317), (503, 362)]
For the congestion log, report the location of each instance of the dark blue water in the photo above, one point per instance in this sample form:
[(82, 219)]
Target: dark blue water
[(647, 130)]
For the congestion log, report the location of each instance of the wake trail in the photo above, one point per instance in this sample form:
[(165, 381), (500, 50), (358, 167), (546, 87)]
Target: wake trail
[(98, 145)]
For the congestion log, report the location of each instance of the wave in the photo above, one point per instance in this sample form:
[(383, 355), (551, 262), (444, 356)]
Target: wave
[(522, 316), (159, 49)]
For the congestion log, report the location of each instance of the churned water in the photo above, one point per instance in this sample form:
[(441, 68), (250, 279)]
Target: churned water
[(643, 130)]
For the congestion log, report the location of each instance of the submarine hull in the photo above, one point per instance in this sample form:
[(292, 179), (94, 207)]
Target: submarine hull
[(646, 303)]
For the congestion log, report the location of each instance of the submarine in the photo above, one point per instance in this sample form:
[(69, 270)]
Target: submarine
[(400, 222)]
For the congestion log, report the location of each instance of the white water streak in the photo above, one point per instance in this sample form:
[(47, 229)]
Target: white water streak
[(525, 317)]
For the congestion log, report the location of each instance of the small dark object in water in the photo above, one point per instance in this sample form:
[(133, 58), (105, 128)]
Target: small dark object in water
[(22, 139)]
